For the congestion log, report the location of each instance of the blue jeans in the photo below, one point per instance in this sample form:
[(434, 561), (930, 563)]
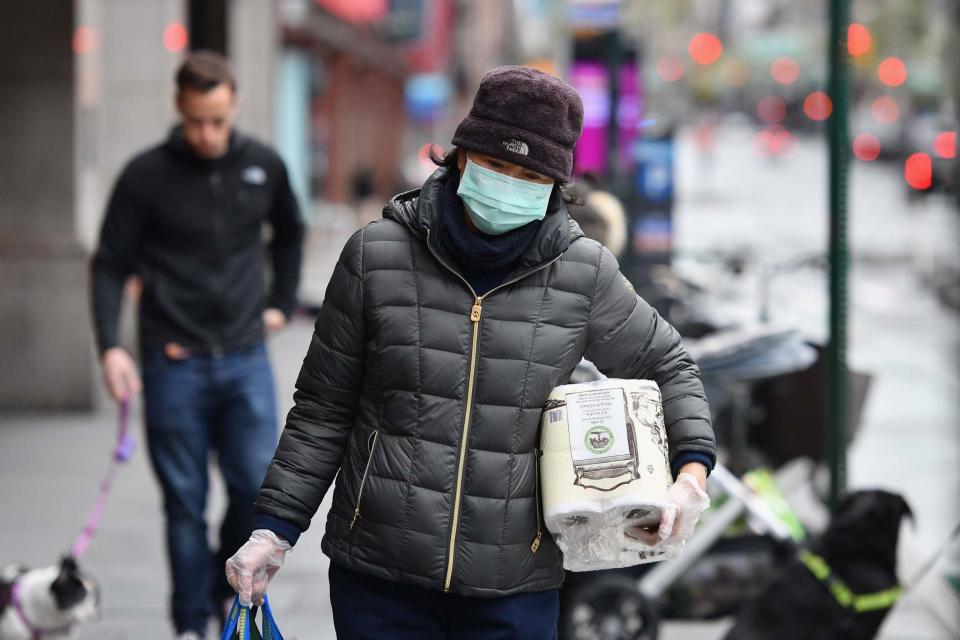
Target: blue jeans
[(223, 403), (369, 608)]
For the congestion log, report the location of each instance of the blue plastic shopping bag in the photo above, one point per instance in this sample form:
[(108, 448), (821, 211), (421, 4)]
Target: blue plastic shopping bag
[(241, 623)]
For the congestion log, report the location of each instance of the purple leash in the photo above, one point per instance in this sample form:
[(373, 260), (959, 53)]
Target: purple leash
[(121, 453)]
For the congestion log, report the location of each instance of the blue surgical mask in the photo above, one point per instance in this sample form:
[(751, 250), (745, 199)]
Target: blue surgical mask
[(497, 203)]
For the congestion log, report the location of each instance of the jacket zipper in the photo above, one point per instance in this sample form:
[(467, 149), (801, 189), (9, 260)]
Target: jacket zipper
[(464, 439), (536, 480), (371, 445), (475, 313)]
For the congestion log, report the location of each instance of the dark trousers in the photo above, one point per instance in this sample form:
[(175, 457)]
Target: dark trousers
[(224, 404), (365, 607)]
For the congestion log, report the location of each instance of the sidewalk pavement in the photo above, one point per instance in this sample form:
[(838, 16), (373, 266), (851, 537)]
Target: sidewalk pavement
[(50, 465)]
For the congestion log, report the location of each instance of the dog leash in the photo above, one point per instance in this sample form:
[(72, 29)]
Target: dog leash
[(844, 595), (864, 602), (121, 454)]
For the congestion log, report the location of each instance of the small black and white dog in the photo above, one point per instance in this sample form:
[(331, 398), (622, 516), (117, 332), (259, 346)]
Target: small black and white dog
[(46, 603), (859, 549)]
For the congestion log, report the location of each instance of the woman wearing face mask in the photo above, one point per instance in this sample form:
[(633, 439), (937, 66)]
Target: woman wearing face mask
[(444, 328)]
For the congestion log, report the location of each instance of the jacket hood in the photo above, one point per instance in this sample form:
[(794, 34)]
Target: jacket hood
[(419, 211), (177, 144)]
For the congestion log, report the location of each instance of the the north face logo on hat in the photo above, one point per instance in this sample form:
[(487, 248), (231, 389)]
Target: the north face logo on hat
[(516, 146)]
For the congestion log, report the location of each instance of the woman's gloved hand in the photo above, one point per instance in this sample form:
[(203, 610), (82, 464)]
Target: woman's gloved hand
[(686, 500), (254, 564)]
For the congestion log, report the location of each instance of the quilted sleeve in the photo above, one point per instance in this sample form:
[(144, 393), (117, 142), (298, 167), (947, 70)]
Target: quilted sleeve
[(627, 338), (325, 402)]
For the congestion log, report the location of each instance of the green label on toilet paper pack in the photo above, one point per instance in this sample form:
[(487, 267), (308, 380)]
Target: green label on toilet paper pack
[(597, 424), (598, 440)]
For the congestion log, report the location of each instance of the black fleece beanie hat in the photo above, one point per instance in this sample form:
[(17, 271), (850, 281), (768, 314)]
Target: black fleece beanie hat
[(524, 116)]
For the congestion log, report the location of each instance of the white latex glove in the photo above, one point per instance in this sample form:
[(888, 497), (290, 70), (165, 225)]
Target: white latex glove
[(254, 564), (687, 502)]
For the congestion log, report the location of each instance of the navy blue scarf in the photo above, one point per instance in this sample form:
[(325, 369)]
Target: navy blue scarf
[(484, 260)]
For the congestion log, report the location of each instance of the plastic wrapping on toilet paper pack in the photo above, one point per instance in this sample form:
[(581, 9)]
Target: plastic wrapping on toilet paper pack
[(603, 540), (605, 471)]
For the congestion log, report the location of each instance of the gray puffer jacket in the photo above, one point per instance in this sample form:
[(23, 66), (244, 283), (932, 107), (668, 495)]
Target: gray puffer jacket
[(427, 399)]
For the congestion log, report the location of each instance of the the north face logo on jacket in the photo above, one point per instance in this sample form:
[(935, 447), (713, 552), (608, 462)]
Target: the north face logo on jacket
[(254, 175)]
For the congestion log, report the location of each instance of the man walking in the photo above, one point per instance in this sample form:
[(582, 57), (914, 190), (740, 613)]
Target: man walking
[(187, 217)]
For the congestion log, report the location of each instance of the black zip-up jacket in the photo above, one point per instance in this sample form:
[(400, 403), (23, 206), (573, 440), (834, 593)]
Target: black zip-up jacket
[(426, 398), (192, 229)]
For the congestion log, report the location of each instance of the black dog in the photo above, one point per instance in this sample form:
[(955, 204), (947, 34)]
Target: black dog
[(855, 557)]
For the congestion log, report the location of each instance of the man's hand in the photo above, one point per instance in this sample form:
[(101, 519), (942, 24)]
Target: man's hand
[(273, 320), (120, 374)]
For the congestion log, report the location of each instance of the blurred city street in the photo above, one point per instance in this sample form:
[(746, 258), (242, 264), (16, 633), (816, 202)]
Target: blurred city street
[(165, 158), (907, 443)]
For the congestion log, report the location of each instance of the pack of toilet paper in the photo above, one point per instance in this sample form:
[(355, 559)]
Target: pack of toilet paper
[(604, 469)]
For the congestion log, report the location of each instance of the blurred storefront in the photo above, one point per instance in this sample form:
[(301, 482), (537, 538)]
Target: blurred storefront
[(365, 85), (342, 71)]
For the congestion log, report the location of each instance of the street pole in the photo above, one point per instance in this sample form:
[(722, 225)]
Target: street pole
[(836, 379)]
